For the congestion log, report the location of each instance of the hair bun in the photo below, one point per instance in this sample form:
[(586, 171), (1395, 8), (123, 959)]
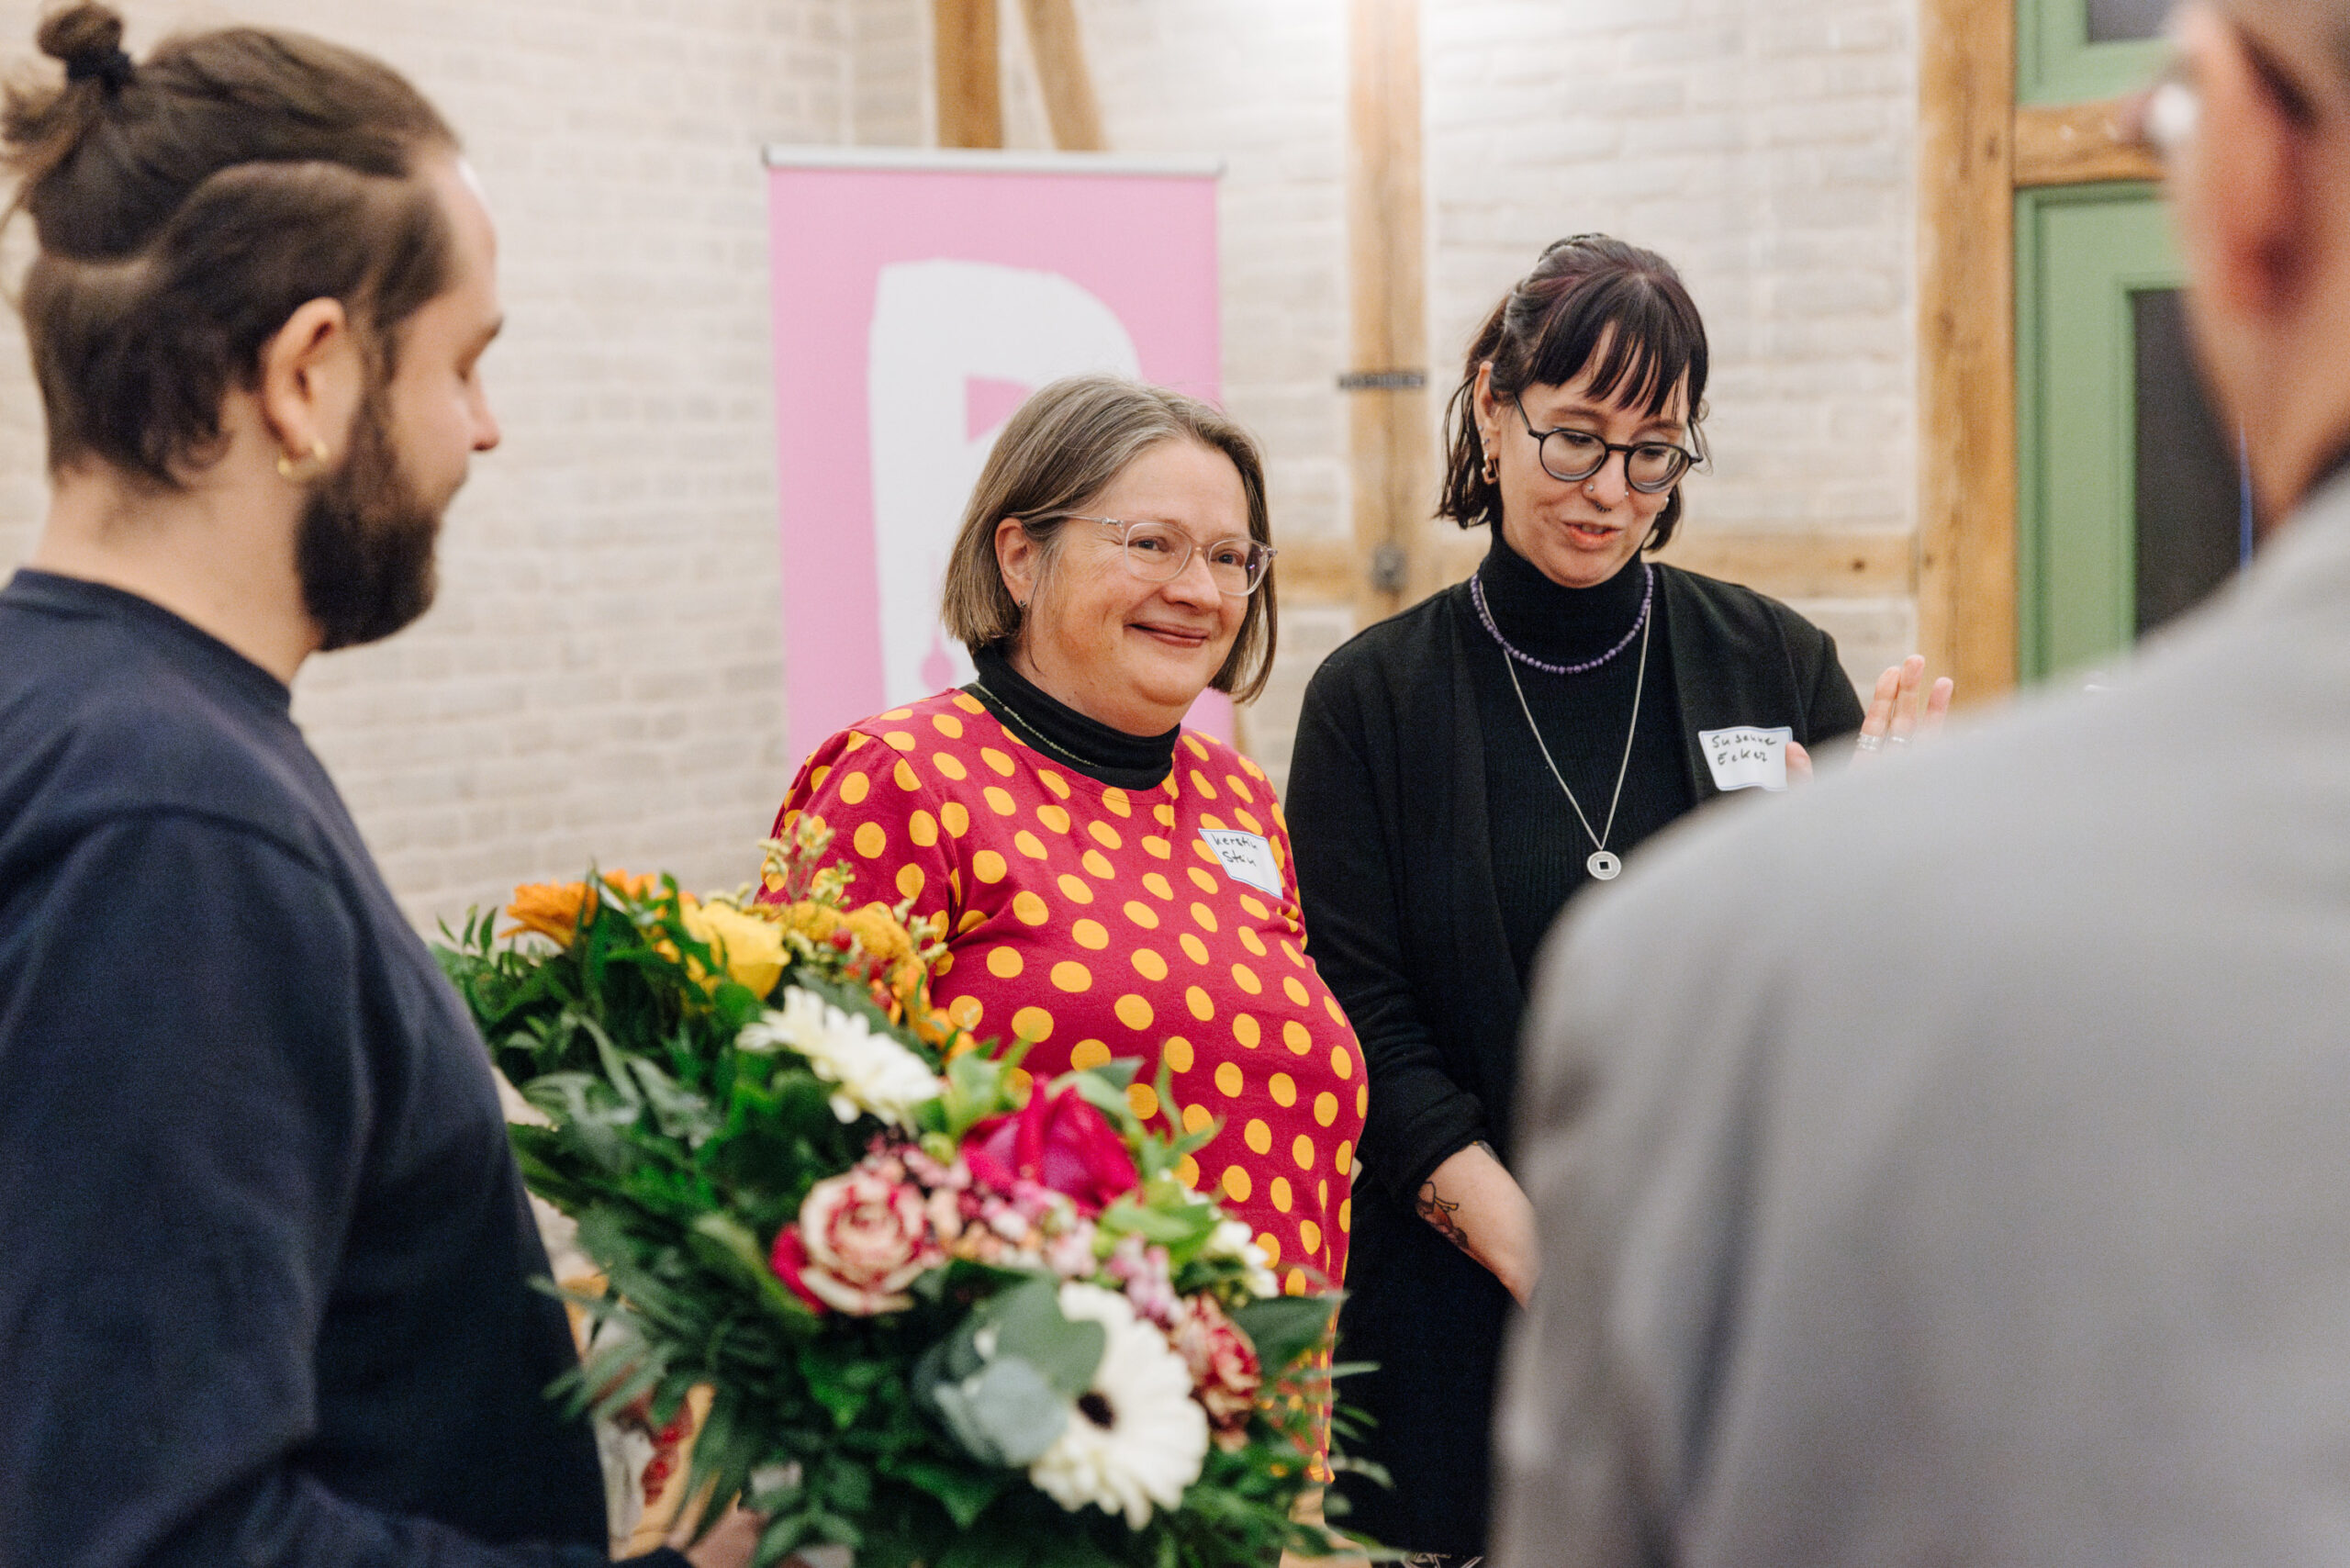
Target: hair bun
[(88, 38)]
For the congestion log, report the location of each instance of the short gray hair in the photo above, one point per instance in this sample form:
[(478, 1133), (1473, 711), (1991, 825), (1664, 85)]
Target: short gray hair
[(1067, 444)]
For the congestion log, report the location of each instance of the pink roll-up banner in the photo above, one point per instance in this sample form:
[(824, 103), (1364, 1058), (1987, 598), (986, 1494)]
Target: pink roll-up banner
[(919, 297)]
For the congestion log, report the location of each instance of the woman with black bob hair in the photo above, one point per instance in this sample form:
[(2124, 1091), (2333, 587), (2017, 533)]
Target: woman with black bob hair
[(1465, 768)]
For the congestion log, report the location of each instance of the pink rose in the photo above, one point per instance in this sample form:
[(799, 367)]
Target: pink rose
[(789, 1261), (861, 1239), (1059, 1142), (1225, 1374)]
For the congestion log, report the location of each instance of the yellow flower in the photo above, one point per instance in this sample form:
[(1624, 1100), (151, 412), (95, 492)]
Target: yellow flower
[(880, 934), (751, 948), (816, 922)]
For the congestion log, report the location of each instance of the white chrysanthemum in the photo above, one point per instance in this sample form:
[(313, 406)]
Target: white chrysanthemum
[(1137, 1436), (875, 1073), (1231, 1239)]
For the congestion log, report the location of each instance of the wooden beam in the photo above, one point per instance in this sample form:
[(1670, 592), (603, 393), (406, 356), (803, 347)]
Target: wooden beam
[(1390, 451), (1967, 447), (1857, 564), (2078, 145), (1059, 49), (1878, 563), (969, 65)]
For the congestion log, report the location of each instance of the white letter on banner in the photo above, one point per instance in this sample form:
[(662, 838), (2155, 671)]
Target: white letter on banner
[(938, 326)]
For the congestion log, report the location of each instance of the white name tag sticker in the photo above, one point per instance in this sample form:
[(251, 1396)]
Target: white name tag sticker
[(1747, 758), (1246, 856)]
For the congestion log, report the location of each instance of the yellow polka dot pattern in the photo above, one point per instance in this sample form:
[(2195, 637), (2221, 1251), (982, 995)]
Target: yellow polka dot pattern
[(1098, 923)]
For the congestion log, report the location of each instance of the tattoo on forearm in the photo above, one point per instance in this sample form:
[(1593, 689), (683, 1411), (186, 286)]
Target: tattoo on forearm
[(1439, 1212)]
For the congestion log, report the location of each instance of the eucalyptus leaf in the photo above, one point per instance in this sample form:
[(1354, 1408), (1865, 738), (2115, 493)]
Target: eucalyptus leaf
[(1028, 1324), (1007, 1413), (954, 1406), (949, 1360)]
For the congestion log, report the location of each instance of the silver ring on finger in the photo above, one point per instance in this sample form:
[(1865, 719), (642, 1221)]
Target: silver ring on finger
[(1869, 742), (1897, 740)]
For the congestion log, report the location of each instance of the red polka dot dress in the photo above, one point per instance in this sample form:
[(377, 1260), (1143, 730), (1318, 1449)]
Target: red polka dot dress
[(1101, 923)]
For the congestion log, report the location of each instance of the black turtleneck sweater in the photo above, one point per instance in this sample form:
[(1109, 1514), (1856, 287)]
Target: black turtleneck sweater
[(1540, 849), (1105, 754)]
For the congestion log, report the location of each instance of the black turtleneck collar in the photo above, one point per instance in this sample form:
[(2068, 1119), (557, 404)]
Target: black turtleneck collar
[(1105, 754), (1562, 625)]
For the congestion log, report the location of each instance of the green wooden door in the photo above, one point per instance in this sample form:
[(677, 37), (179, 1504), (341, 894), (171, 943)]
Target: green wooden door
[(2131, 507), (2071, 50), (2131, 502)]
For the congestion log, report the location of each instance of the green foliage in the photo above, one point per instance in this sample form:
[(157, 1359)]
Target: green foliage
[(1286, 1329)]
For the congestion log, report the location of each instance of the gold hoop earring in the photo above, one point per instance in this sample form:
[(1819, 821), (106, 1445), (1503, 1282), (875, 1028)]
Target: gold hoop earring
[(302, 470)]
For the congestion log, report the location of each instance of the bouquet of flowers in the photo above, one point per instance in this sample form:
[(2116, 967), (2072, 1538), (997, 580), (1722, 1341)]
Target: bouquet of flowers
[(944, 1315)]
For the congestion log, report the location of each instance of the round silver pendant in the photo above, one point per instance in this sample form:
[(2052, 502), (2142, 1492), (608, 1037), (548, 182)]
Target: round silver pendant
[(1603, 865)]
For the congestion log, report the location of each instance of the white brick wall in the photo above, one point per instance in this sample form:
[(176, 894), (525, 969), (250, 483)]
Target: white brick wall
[(603, 673), (1768, 150)]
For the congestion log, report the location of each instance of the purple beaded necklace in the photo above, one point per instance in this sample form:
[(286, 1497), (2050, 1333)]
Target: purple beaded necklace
[(1648, 594)]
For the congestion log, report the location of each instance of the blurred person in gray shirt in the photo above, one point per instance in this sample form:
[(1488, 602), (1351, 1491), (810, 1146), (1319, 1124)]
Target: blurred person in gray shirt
[(1952, 1165)]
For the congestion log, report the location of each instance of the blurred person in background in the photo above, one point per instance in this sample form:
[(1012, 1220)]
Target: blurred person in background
[(1463, 769), (266, 1264), (1114, 885), (1953, 1170)]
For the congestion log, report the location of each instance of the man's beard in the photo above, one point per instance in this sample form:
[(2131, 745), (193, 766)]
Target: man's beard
[(364, 545)]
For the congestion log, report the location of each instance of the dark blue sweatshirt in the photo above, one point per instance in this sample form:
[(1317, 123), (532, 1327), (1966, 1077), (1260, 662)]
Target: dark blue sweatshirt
[(264, 1253)]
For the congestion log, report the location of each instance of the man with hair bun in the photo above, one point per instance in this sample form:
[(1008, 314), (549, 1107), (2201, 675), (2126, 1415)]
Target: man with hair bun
[(265, 1258), (1955, 1168)]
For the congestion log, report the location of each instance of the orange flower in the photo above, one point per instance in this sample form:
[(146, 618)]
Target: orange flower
[(551, 909), (554, 910), (642, 885), (931, 1026)]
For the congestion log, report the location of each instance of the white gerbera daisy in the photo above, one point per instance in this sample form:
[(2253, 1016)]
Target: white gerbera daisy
[(1137, 1436), (875, 1074)]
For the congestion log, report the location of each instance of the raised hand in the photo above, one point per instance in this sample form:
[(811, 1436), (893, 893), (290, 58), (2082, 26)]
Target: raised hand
[(1903, 709)]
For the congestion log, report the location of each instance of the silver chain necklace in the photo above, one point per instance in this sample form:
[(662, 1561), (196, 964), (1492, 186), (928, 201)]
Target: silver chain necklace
[(1601, 865), (1032, 733)]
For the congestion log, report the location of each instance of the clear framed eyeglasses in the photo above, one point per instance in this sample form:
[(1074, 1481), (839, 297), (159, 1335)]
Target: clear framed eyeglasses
[(1158, 553), (1572, 455)]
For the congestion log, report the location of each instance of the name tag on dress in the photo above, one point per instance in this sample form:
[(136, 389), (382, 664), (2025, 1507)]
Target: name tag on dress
[(1247, 857), (1747, 758)]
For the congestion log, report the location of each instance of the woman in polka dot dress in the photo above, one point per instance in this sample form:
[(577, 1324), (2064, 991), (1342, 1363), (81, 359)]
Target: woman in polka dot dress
[(1115, 885)]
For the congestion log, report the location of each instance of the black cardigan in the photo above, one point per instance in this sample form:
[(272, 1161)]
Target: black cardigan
[(1387, 814)]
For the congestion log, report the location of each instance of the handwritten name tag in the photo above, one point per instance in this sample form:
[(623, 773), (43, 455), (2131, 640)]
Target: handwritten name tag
[(1247, 857), (1747, 758)]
